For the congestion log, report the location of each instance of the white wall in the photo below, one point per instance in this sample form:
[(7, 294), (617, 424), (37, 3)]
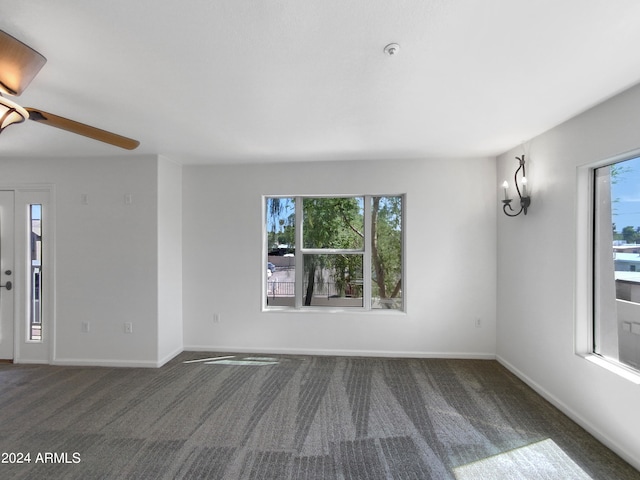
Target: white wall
[(169, 259), (537, 269), (106, 255), (450, 257)]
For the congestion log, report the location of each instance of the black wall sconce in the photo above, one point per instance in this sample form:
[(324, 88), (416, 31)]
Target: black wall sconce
[(525, 199)]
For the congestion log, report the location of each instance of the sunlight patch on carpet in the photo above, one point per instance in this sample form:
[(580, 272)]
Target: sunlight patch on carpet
[(240, 362), (543, 459), (232, 360), (208, 359)]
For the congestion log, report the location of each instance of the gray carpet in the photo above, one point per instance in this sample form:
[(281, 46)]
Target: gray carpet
[(291, 417)]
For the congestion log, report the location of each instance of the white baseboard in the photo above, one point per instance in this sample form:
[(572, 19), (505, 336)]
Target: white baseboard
[(91, 362), (340, 353), (569, 412), (30, 361), (169, 357)]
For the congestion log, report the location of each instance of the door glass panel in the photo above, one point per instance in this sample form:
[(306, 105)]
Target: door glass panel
[(35, 274)]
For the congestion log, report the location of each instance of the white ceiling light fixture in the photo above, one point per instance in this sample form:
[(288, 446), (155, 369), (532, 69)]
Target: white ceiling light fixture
[(11, 113), (392, 49)]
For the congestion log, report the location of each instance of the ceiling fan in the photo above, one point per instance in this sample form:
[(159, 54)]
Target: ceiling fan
[(19, 64)]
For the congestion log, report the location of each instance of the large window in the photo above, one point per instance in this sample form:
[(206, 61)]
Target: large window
[(350, 252), (616, 260)]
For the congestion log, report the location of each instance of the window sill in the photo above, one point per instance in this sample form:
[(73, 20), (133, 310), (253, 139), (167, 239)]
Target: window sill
[(351, 311), (614, 367)]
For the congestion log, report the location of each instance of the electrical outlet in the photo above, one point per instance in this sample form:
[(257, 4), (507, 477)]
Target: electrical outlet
[(216, 318), (86, 328), (128, 327)]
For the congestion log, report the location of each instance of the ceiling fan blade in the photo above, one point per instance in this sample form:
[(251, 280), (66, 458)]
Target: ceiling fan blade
[(19, 63), (82, 129)]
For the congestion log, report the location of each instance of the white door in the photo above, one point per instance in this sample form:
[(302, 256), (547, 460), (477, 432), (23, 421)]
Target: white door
[(6, 275)]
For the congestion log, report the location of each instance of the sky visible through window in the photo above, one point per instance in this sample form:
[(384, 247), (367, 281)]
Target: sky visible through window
[(625, 194), (36, 212), (287, 208)]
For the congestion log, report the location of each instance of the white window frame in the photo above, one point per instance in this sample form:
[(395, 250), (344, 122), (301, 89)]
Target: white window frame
[(585, 281), (365, 252)]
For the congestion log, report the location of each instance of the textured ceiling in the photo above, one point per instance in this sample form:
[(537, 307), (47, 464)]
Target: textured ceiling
[(219, 81)]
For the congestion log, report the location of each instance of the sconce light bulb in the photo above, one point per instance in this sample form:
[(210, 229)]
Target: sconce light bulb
[(524, 180), (505, 185), (524, 187)]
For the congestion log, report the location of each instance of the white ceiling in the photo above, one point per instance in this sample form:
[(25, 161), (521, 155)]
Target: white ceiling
[(219, 81)]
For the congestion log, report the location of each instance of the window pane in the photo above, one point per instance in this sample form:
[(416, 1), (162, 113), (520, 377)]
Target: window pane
[(280, 268), (333, 280), (35, 272), (333, 223), (617, 262), (386, 252), (342, 259)]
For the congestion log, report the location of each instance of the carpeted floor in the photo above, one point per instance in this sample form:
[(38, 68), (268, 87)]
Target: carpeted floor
[(290, 417)]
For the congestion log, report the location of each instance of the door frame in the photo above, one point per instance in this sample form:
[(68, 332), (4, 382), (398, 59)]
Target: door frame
[(27, 351), (7, 263)]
